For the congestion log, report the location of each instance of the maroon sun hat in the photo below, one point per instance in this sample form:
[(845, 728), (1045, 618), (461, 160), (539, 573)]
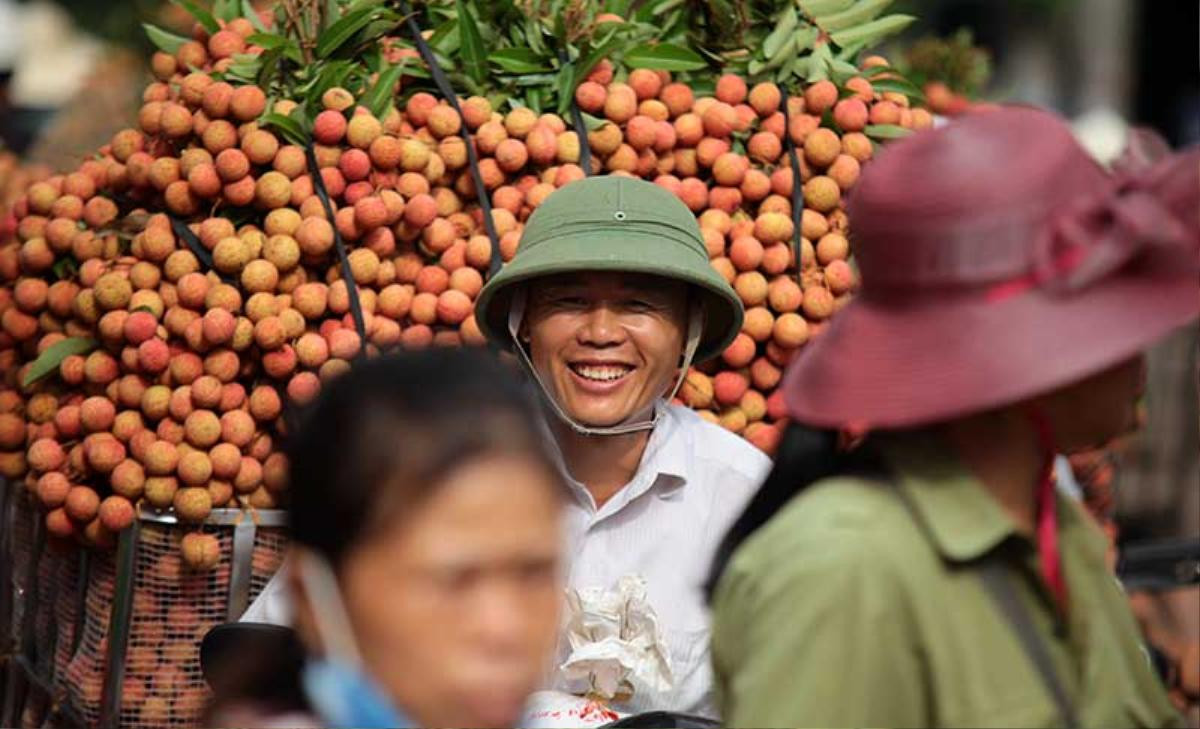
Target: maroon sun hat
[(999, 261)]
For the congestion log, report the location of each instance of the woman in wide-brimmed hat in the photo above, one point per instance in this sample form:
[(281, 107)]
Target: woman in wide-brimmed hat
[(933, 576)]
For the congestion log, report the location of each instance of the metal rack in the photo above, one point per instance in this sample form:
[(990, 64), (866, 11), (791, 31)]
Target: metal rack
[(21, 682)]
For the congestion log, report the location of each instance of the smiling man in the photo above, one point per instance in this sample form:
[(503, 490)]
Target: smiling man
[(608, 301)]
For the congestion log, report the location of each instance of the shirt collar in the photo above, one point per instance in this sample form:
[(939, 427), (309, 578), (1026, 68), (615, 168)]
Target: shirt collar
[(664, 462), (962, 519)]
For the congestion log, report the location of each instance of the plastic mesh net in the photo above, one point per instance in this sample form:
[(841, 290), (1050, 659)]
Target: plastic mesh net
[(173, 608), (54, 621), (269, 548), (24, 516), (66, 609), (85, 671)]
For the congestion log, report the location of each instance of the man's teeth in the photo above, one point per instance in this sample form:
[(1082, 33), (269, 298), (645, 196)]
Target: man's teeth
[(602, 373)]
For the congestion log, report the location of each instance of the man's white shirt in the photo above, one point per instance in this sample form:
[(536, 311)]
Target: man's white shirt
[(664, 525)]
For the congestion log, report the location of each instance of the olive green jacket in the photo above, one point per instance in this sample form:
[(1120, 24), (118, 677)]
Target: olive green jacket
[(852, 607)]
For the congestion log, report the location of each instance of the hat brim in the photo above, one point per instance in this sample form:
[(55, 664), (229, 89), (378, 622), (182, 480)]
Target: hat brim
[(618, 251), (887, 366)]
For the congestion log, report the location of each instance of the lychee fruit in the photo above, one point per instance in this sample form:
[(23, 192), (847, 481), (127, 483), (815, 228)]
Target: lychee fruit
[(116, 513), (161, 459), (194, 468), (729, 387), (201, 553), (790, 330), (52, 489), (820, 97), (192, 504), (160, 491), (203, 428)]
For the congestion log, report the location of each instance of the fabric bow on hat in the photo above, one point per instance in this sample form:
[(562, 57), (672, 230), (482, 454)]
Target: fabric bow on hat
[(1152, 216)]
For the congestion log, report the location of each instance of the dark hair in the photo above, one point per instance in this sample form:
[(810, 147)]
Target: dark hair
[(806, 455), (381, 438), (378, 441)]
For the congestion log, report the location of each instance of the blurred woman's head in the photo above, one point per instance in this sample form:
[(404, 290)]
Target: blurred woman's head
[(421, 481)]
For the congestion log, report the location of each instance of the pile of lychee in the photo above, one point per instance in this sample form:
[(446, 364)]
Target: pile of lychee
[(180, 404), (726, 157)]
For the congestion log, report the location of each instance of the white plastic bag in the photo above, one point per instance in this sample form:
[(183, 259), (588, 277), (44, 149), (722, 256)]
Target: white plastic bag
[(616, 643)]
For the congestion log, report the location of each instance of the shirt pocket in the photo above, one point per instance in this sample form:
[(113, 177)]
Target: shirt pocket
[(691, 671)]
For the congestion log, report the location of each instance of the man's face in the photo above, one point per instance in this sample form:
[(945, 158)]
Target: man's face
[(606, 345), (1090, 413)]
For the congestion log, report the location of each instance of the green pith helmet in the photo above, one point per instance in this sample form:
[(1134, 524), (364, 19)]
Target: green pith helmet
[(614, 223)]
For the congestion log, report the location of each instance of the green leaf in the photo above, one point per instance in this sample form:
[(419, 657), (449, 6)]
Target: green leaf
[(900, 86), (272, 42), (379, 96), (201, 15), (786, 53), (518, 60), (798, 67), (269, 61), (664, 57), (860, 12), (850, 52), (886, 131), (245, 66), (783, 29), (474, 55), (817, 71), (536, 79), (291, 129), (593, 123), (819, 63), (343, 30), (533, 34), (533, 98), (66, 267), (806, 39), (164, 41), (226, 10), (249, 14), (597, 54), (49, 360), (842, 71), (445, 38), (873, 32), (814, 8), (668, 6), (565, 87), (267, 41)]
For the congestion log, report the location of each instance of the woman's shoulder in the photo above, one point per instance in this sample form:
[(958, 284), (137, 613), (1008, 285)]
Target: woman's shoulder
[(837, 523)]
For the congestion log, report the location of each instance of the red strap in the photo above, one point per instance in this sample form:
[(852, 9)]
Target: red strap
[(1047, 514), (1047, 537)]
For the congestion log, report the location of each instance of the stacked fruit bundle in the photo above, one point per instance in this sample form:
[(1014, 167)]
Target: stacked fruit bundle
[(166, 301)]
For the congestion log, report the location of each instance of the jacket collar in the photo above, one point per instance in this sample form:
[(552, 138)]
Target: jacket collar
[(963, 521)]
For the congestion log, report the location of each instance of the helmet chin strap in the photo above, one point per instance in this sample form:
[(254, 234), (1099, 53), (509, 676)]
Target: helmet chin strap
[(330, 618), (516, 315)]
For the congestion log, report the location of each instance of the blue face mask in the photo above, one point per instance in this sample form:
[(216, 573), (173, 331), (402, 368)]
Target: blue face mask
[(343, 696), (339, 690)]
